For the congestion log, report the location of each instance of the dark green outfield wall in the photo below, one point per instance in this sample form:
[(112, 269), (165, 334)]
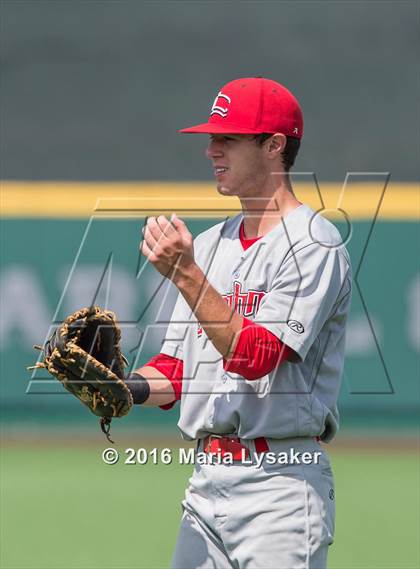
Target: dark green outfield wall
[(96, 90), (38, 283)]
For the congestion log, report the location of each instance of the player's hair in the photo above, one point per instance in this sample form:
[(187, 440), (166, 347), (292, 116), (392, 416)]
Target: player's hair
[(290, 150)]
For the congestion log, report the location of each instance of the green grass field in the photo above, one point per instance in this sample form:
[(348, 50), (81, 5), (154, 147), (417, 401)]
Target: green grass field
[(63, 508)]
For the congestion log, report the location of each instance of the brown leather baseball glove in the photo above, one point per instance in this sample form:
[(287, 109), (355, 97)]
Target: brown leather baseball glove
[(84, 354)]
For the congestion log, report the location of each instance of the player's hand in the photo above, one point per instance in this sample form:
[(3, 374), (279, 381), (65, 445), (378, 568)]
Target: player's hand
[(168, 245)]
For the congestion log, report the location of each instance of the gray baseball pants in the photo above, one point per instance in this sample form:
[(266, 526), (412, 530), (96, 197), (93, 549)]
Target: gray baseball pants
[(250, 516)]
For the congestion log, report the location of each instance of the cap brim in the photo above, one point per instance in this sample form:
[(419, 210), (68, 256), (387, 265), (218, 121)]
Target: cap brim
[(211, 128)]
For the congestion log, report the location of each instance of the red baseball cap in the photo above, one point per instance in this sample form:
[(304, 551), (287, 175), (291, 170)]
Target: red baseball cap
[(253, 105)]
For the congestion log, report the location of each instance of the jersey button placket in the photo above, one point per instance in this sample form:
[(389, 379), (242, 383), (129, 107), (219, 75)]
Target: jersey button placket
[(236, 272)]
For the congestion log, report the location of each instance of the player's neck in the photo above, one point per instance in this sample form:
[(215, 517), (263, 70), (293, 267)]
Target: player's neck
[(263, 213)]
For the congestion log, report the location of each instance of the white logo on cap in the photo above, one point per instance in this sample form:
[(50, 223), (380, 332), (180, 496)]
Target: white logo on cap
[(216, 109), (295, 130)]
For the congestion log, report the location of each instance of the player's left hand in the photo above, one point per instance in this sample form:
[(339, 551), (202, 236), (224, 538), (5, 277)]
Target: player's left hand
[(168, 245)]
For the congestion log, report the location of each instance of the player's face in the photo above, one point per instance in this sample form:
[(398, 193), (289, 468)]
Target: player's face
[(238, 164)]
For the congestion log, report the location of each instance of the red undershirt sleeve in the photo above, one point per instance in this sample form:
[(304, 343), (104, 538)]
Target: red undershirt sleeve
[(173, 369), (257, 352)]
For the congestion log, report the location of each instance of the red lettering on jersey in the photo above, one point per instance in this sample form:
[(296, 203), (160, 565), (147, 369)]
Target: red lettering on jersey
[(254, 298), (245, 303)]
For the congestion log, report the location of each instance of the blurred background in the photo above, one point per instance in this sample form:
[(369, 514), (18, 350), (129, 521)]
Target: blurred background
[(92, 95)]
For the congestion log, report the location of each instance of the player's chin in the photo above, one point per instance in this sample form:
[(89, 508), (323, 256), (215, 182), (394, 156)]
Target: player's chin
[(226, 190)]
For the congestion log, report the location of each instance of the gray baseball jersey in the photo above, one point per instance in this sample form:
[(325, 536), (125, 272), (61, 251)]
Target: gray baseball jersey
[(295, 281)]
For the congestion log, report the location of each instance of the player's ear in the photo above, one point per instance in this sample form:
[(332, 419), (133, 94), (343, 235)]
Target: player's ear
[(276, 144)]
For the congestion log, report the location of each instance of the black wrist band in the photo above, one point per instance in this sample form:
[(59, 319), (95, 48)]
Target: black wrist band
[(139, 387)]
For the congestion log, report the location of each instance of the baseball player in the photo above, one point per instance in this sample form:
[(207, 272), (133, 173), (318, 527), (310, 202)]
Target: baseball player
[(255, 347)]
